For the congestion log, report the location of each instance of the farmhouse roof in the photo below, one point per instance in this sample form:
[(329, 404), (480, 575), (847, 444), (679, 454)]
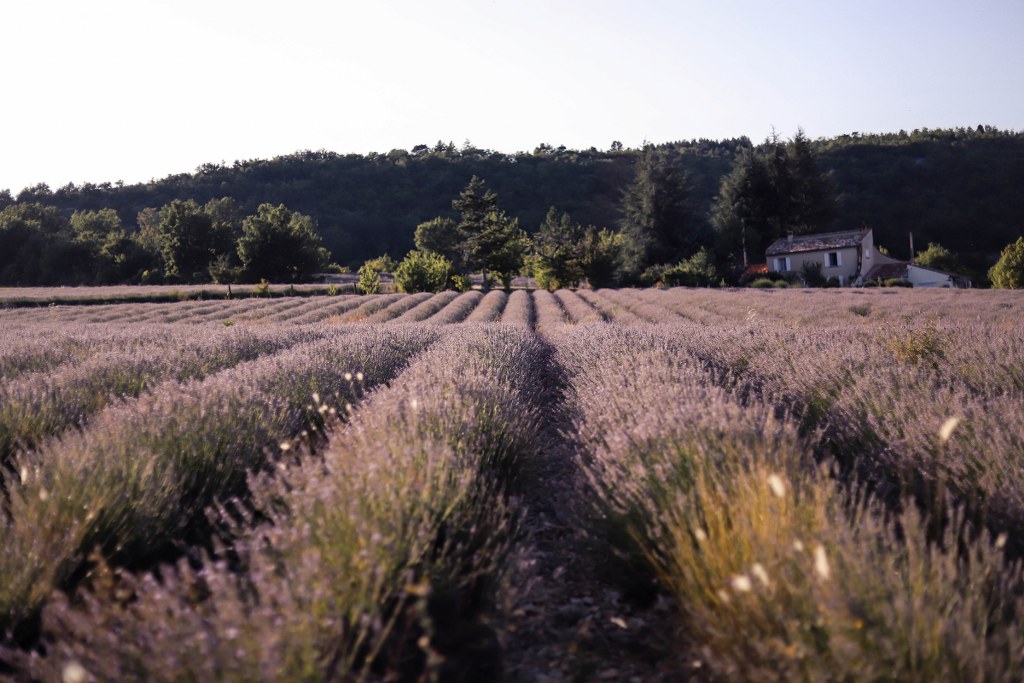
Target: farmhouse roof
[(887, 271), (819, 242)]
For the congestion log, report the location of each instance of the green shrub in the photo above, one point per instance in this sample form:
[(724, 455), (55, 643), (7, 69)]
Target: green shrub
[(423, 271), (1008, 272), (810, 271), (696, 271), (261, 288), (369, 274), (915, 344)]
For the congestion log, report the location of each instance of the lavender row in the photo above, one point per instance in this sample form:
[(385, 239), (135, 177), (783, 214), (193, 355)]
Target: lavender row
[(578, 309), (845, 307), (378, 561), (548, 309), (42, 405), (608, 308), (399, 307), (369, 306), (777, 574), (931, 411), (490, 307), (630, 300), (457, 309), (40, 347), (143, 472), (426, 308), (331, 311), (519, 309)]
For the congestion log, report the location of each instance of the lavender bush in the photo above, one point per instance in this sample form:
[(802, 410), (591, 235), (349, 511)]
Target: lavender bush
[(457, 309), (519, 309), (578, 310), (39, 406), (548, 309), (376, 560), (144, 472), (427, 307), (777, 573), (490, 307)]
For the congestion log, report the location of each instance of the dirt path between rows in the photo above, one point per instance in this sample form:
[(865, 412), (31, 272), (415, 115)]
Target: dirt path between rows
[(572, 622)]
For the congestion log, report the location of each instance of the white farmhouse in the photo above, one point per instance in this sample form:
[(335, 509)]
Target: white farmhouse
[(846, 255), (851, 257)]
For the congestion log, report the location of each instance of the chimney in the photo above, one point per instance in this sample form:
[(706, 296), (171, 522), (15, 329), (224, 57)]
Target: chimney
[(789, 236)]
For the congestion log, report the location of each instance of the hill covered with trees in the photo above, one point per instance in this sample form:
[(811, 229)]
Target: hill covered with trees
[(957, 187)]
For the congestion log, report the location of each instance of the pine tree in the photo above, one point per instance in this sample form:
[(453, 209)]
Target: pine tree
[(558, 248), (658, 223), (474, 204), (770, 192), (499, 247), (492, 241)]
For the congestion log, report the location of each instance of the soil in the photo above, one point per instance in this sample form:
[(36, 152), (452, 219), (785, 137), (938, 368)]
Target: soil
[(572, 619)]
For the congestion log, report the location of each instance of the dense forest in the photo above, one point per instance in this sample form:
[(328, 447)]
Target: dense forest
[(956, 187)]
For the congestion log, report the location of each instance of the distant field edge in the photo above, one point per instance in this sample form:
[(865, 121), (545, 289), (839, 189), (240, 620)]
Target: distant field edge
[(18, 297)]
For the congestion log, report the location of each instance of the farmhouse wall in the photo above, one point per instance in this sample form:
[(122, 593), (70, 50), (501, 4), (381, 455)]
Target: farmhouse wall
[(846, 269), (926, 277)]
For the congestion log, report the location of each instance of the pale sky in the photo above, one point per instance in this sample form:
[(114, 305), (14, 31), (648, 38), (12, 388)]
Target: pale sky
[(107, 90)]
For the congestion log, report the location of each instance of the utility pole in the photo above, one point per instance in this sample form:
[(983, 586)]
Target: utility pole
[(743, 240), (911, 246)]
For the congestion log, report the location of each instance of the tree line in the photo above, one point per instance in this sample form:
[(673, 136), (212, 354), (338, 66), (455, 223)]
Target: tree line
[(660, 237), (953, 187), (777, 189), (181, 242)]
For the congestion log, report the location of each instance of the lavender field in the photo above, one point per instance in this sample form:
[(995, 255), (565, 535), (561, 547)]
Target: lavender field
[(623, 485)]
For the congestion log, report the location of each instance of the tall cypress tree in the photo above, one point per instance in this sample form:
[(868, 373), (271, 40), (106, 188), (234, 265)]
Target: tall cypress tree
[(658, 218), (777, 189), (473, 204)]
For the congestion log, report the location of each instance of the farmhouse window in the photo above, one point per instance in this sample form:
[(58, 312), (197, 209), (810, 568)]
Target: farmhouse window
[(833, 259), (782, 264)]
